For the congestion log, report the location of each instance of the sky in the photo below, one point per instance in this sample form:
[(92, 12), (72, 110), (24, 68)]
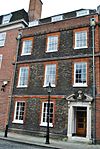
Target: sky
[(50, 7)]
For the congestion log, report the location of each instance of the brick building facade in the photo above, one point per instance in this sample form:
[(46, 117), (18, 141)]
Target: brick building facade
[(9, 30), (58, 50)]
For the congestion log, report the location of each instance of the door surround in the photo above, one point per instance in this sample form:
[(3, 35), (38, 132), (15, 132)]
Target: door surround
[(78, 100)]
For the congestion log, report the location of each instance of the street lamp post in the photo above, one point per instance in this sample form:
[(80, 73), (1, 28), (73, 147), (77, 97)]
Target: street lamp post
[(93, 24), (48, 116)]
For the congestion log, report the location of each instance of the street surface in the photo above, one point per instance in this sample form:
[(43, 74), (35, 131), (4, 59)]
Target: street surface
[(12, 145), (4, 144)]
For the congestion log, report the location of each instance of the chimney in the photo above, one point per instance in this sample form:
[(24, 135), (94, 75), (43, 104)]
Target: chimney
[(35, 9), (98, 9)]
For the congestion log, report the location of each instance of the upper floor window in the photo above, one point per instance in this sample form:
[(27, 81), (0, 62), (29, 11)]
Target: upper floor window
[(0, 60), (19, 112), (27, 47), (23, 77), (80, 74), (82, 13), (52, 43), (2, 39), (50, 75), (56, 18), (81, 39), (6, 18), (44, 114)]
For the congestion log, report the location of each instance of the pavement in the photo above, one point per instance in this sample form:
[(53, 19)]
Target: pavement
[(40, 141)]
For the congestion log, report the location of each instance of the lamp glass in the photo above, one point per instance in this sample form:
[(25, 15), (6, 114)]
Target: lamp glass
[(92, 22), (49, 88)]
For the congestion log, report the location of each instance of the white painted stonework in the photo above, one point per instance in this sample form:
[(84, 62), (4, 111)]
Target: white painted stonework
[(72, 104)]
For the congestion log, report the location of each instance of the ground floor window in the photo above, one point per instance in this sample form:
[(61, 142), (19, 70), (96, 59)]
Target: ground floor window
[(44, 114), (19, 112)]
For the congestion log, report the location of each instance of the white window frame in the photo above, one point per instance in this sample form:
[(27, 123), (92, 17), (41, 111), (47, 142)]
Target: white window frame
[(19, 112), (79, 84), (0, 60), (6, 18), (2, 39), (34, 23), (24, 46), (48, 77), (82, 13), (52, 43), (21, 76), (57, 18), (80, 41), (45, 123)]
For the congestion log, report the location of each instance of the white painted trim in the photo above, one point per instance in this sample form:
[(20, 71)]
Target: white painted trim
[(6, 18), (45, 123), (76, 40), (16, 24), (52, 85), (81, 47), (51, 51), (71, 106), (1, 57), (23, 48), (2, 39), (56, 18), (17, 121), (21, 86), (23, 54), (45, 78), (79, 84), (19, 77), (82, 13), (14, 120), (48, 41)]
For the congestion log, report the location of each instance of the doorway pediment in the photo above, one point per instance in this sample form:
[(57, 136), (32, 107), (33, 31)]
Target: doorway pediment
[(79, 96)]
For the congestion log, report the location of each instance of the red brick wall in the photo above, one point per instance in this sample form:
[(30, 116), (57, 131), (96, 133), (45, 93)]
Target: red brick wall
[(54, 27), (6, 73), (98, 118), (97, 79)]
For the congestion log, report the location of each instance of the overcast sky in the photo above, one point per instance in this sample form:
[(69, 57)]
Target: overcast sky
[(50, 7)]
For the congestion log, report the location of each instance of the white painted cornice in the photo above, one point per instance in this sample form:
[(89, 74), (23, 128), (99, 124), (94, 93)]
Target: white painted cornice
[(12, 25)]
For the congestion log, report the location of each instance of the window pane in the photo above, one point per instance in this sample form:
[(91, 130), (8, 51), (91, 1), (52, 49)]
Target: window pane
[(20, 106), (81, 39), (2, 39), (50, 74), (6, 18), (57, 18), (45, 105), (80, 73), (52, 43), (23, 77), (27, 46)]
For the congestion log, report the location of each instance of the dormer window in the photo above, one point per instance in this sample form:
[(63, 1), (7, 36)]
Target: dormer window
[(6, 18), (82, 13), (56, 18), (34, 23)]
